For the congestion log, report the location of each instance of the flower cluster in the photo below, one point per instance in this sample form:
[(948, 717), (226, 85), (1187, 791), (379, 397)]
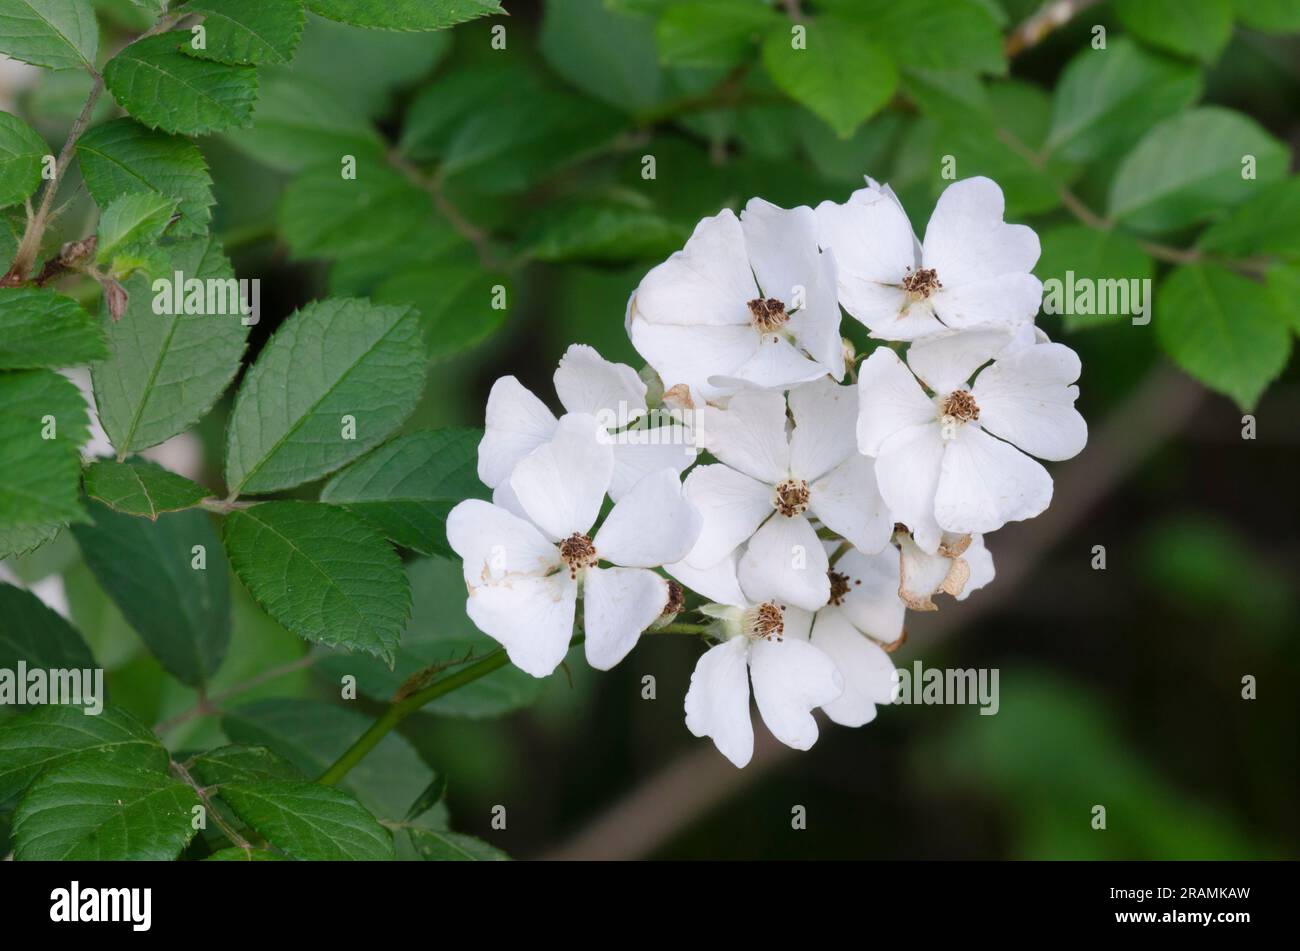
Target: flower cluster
[(828, 506)]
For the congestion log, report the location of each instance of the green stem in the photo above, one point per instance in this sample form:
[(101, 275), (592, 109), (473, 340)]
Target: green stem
[(401, 709), (684, 629)]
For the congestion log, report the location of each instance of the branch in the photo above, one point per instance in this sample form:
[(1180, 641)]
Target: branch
[(30, 245), (210, 705), (1050, 17), (701, 779), (227, 829)]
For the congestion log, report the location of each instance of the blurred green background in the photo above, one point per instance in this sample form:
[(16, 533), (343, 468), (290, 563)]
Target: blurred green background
[(1119, 687)]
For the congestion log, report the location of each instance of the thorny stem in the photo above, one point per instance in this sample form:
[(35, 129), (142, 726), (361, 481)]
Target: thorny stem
[(401, 709), (30, 245), (226, 828)]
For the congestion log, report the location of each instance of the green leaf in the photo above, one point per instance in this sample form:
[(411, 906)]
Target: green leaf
[(1031, 186), (520, 139), (1283, 282), (437, 845), (288, 427), (242, 764), (433, 794), (321, 572), (247, 32), (440, 635), (41, 328), (1106, 99), (407, 486), (122, 156), (140, 487), (379, 62), (310, 822), (56, 33), (298, 123), (235, 854), (165, 370), (1268, 223), (456, 300), (1272, 16), (403, 14), (602, 231), (24, 539), (132, 224), (90, 809), (841, 75), (182, 613), (605, 54), (1200, 30), (39, 478), (713, 32), (165, 89), (930, 34), (1078, 256), (324, 214), (53, 735), (1190, 167), (312, 734), (22, 152), (1222, 329), (444, 105), (37, 635)]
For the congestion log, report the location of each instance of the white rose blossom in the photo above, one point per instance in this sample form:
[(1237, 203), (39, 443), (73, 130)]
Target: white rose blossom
[(518, 422), (947, 460), (749, 301), (972, 270), (770, 479), (831, 510), (523, 573), (768, 644)]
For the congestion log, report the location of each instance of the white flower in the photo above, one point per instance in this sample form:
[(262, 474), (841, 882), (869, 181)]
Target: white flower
[(961, 565), (865, 615), (768, 645), (941, 460), (766, 480), (748, 301), (972, 270), (518, 422), (524, 573)]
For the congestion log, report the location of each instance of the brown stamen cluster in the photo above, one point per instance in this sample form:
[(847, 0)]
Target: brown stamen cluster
[(578, 552), (768, 622), (676, 598), (791, 497), (922, 282), (768, 315), (839, 586), (960, 405)]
